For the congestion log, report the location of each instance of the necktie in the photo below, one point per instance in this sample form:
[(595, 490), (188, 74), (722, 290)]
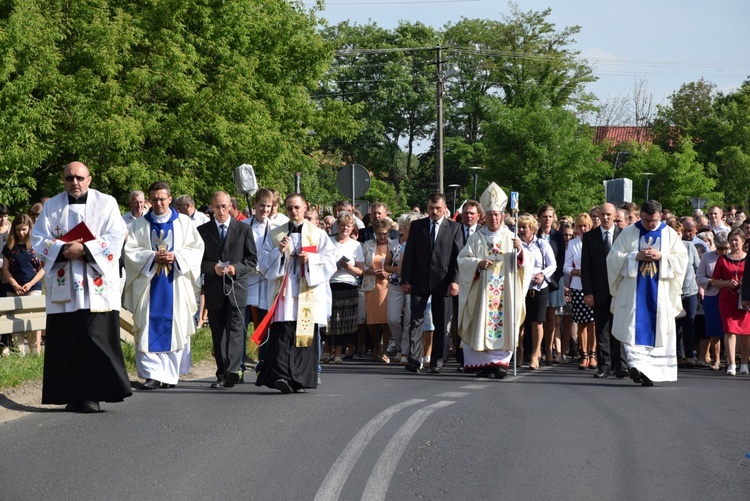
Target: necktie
[(222, 233), (433, 231), (467, 234), (607, 240)]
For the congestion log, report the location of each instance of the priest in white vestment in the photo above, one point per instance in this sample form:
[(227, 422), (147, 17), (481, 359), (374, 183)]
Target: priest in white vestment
[(163, 256), (645, 268), (79, 236), (492, 287), (299, 266)]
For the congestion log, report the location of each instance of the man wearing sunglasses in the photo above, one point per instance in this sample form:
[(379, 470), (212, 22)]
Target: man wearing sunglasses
[(79, 236)]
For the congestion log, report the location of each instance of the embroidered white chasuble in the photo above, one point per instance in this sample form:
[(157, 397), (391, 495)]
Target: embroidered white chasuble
[(75, 285), (487, 298), (306, 297)]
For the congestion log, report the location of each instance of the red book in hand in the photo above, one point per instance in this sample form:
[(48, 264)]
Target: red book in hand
[(81, 231)]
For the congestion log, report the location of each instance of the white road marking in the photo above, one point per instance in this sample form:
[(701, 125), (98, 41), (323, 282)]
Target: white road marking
[(380, 478), (453, 394), (474, 386), (334, 482)]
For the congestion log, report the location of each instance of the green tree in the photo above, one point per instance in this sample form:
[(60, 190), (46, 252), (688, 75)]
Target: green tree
[(178, 90), (547, 156), (677, 175), (688, 106), (723, 142), (387, 74)]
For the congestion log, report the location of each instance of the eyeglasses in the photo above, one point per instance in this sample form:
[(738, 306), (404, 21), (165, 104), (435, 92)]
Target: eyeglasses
[(80, 179)]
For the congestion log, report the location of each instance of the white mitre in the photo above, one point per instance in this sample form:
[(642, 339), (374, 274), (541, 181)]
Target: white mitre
[(493, 199)]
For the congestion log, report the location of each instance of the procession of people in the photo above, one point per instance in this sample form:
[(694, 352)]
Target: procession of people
[(613, 291)]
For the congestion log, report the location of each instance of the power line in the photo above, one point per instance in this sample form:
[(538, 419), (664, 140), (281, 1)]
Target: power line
[(396, 2)]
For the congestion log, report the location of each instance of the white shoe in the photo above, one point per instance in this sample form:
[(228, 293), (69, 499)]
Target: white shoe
[(731, 370), (338, 361), (744, 369)]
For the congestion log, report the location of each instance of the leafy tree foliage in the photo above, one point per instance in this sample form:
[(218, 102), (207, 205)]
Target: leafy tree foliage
[(723, 142), (392, 88), (178, 90), (688, 106), (547, 156), (677, 175)]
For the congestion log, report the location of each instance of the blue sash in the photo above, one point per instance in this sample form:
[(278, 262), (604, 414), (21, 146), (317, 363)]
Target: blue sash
[(647, 288), (161, 301)]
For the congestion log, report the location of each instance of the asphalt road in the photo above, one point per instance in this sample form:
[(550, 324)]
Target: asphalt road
[(376, 432)]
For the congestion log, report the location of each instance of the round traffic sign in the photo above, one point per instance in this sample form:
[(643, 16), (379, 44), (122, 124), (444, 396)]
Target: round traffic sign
[(353, 180)]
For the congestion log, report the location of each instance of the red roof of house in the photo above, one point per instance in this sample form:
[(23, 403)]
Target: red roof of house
[(620, 134)]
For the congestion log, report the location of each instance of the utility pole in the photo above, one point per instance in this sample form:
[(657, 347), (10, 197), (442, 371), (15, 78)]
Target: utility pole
[(439, 139)]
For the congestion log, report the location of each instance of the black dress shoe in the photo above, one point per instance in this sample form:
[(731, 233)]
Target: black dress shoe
[(500, 372), (219, 383), (299, 390), (436, 370), (645, 381), (231, 379), (90, 407), (150, 384), (621, 373), (283, 386), (635, 375), (167, 385), (603, 374), (412, 368), (486, 373), (74, 407)]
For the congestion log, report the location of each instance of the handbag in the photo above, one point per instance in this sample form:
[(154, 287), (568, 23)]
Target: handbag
[(552, 282)]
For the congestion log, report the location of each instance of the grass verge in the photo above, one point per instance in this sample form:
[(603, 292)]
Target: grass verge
[(16, 370)]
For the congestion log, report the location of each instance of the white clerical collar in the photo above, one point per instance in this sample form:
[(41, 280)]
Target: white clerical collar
[(163, 218)]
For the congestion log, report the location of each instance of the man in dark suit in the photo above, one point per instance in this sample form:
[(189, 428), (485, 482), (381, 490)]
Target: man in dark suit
[(596, 244), (228, 258), (429, 268)]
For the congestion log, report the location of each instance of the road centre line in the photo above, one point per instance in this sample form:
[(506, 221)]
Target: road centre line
[(333, 483), (380, 478), (453, 394)]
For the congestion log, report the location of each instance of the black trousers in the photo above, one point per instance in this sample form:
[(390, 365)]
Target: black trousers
[(608, 348), (441, 312), (228, 333), (83, 358)]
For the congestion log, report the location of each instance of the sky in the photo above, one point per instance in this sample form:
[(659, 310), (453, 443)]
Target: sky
[(663, 43)]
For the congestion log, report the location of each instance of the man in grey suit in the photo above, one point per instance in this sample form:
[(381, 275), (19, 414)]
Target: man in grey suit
[(228, 257), (429, 268)]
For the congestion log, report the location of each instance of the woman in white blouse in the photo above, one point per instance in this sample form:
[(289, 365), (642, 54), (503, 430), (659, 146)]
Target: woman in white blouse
[(544, 266), (342, 325)]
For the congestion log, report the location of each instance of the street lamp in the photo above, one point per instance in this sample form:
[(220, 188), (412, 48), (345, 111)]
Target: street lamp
[(647, 175), (455, 190), (476, 170)]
